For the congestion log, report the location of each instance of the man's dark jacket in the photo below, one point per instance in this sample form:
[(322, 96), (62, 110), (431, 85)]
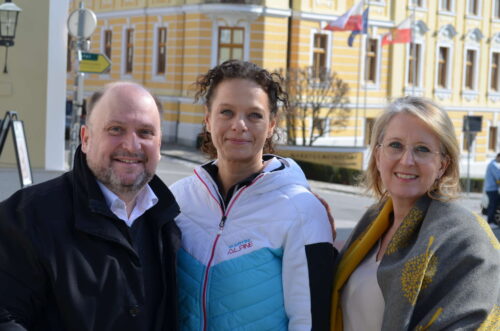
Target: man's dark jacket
[(65, 264)]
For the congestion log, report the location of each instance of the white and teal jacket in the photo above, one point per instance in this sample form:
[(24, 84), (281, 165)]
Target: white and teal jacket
[(260, 259)]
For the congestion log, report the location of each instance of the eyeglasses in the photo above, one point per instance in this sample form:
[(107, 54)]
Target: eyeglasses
[(395, 150)]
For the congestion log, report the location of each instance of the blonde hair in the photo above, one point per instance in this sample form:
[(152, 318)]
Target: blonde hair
[(435, 118)]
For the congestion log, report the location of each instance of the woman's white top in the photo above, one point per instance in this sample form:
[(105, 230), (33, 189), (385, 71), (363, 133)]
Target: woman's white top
[(362, 301)]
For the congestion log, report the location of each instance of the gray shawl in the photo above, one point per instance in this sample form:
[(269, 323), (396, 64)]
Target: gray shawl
[(441, 270)]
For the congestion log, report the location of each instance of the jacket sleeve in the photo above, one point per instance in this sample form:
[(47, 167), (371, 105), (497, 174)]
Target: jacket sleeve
[(465, 292), (22, 280), (308, 261)]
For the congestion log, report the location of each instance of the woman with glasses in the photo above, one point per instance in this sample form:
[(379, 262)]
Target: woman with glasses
[(417, 260)]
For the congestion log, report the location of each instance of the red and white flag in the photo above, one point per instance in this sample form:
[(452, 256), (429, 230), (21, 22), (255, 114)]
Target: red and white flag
[(350, 21), (400, 34)]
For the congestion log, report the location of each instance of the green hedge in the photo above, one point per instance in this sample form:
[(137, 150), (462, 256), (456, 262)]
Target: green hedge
[(476, 184), (346, 176), (330, 174)]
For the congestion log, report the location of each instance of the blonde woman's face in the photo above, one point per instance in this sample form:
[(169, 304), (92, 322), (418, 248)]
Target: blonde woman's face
[(408, 159)]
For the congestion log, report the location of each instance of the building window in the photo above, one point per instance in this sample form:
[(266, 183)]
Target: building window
[(473, 7), (161, 52), (371, 60), (369, 122), (319, 54), (69, 61), (443, 58), (492, 139), (470, 69), (129, 50), (414, 63), (495, 66), (230, 43), (418, 3), (108, 38), (446, 5), (496, 9)]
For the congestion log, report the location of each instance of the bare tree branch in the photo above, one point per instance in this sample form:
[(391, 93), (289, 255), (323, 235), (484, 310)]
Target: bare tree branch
[(316, 97)]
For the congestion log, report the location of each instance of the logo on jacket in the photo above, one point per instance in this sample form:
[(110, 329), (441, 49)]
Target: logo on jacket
[(239, 246)]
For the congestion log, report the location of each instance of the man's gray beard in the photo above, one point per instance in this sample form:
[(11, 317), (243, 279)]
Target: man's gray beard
[(109, 178)]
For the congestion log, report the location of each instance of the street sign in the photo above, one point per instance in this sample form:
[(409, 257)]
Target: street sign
[(82, 23), (94, 63)]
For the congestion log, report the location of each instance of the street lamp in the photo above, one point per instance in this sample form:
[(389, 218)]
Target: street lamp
[(9, 13)]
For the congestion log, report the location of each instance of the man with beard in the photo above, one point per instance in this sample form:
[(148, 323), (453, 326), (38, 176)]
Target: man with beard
[(94, 249)]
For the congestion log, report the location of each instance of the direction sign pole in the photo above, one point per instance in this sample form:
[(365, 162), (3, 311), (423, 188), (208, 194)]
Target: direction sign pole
[(81, 25)]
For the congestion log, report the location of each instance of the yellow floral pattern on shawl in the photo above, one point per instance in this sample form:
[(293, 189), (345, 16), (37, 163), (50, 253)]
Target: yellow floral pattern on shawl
[(484, 225), (418, 273), (405, 231), (492, 322), (433, 319)]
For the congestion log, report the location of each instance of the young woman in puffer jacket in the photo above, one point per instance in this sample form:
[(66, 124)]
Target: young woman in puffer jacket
[(257, 248)]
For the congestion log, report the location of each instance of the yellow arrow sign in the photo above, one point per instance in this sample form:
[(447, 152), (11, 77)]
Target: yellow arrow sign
[(94, 63)]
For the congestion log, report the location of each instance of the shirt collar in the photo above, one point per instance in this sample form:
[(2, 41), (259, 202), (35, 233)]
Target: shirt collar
[(145, 200)]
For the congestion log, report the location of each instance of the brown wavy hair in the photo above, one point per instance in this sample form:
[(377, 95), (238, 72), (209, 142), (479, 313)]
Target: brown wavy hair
[(271, 83)]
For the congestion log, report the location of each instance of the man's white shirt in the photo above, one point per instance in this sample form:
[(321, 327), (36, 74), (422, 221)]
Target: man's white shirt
[(145, 200)]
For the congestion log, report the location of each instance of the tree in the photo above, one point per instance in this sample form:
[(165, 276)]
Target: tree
[(317, 100)]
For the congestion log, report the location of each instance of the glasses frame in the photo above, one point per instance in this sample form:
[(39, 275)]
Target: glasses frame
[(382, 145)]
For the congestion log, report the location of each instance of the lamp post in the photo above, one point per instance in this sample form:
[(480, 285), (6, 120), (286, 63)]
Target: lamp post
[(9, 14)]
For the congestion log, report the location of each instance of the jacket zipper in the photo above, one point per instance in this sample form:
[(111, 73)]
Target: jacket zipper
[(225, 213)]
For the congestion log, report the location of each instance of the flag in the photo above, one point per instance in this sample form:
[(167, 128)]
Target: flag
[(363, 30), (351, 20), (400, 34)]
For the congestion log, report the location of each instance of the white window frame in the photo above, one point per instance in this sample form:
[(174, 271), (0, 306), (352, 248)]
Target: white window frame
[(488, 150), (124, 74), (245, 24), (420, 72), (364, 83), (444, 92), (329, 37), (423, 7), (155, 76), (444, 11), (495, 48), (494, 5), (471, 94), (479, 10), (105, 28), (490, 91)]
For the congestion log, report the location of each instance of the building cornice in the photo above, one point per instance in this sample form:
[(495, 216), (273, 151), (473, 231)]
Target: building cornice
[(211, 8)]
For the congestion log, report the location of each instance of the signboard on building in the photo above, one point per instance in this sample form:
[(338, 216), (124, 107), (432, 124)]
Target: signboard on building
[(342, 157)]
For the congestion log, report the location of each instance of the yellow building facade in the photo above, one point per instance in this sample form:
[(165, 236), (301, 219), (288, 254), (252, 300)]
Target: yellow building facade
[(454, 58)]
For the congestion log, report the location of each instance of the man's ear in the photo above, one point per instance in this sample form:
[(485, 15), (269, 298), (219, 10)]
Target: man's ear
[(84, 137)]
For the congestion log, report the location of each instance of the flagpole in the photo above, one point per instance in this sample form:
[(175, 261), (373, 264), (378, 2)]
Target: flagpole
[(366, 90), (358, 90), (414, 47)]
